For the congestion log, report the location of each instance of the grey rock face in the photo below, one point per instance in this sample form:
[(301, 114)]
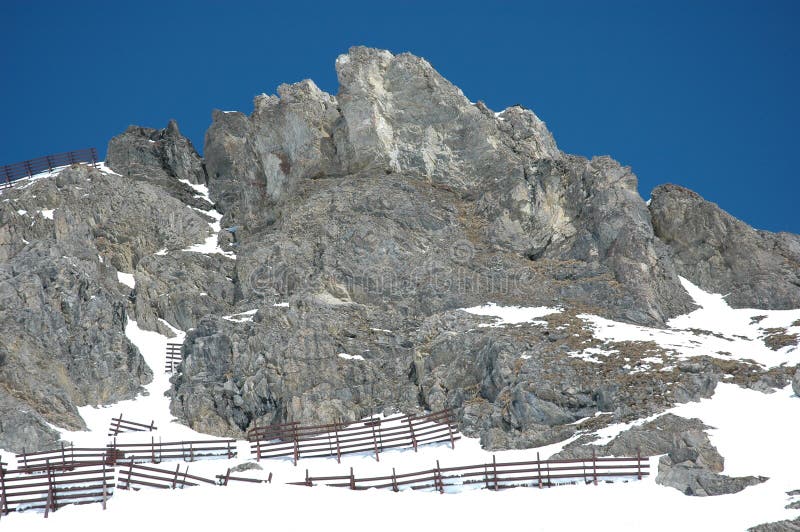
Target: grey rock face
[(400, 200), (778, 526), (181, 288), (22, 428), (796, 383), (682, 471), (61, 305), (691, 464), (160, 157), (724, 255)]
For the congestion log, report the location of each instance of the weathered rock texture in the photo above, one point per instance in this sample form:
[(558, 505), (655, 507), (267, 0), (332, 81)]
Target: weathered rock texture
[(724, 255), (377, 212), (796, 383), (690, 463), (787, 525), (62, 308), (362, 222), (161, 157)]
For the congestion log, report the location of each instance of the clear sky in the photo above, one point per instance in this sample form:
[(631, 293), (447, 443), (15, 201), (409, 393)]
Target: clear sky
[(699, 93)]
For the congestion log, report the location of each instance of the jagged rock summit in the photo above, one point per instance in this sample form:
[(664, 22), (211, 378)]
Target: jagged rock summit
[(354, 230)]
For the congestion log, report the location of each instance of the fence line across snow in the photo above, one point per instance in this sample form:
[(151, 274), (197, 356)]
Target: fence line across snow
[(52, 487), (498, 475), (335, 439)]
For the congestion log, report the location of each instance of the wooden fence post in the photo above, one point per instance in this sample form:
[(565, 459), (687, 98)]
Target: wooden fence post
[(175, 478), (375, 444), (352, 480), (394, 482), (411, 429), (450, 429), (494, 467), (308, 479), (51, 496), (3, 501), (130, 473), (539, 469), (105, 493), (296, 443), (338, 447), (438, 474), (639, 463), (594, 465)]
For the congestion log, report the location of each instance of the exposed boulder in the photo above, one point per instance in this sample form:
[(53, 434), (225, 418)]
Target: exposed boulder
[(691, 464), (721, 254), (796, 382)]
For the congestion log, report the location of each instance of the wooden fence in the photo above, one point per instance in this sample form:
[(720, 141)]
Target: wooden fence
[(227, 477), (136, 476), (65, 457), (336, 439), (12, 172), (50, 488), (187, 451), (173, 357), (153, 452), (497, 476), (119, 425)]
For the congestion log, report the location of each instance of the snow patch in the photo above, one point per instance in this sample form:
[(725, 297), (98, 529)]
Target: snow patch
[(241, 317), (350, 357), (126, 279), (510, 315), (47, 213)]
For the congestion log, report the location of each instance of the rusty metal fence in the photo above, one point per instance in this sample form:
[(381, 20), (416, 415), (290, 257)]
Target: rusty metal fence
[(497, 475), (13, 172), (335, 439)]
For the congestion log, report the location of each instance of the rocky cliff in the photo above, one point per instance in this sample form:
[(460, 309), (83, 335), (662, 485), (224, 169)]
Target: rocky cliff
[(357, 226)]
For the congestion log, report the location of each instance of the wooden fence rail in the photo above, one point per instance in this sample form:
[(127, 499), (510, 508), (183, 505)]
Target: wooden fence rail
[(119, 425), (173, 357), (153, 451), (227, 477), (51, 488), (13, 172), (187, 451), (135, 476), (64, 457), (497, 476), (335, 439)]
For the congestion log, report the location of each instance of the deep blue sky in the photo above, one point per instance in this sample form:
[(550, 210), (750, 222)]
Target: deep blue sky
[(702, 94)]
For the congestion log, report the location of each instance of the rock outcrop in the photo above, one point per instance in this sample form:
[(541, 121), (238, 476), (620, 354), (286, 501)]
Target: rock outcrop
[(721, 254), (691, 464), (62, 307), (386, 207), (160, 157), (355, 228)]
